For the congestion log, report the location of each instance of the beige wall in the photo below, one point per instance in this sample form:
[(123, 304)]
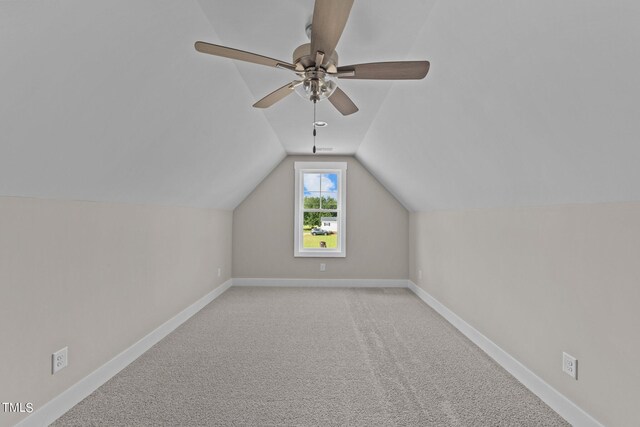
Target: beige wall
[(263, 230), (95, 277), (540, 281)]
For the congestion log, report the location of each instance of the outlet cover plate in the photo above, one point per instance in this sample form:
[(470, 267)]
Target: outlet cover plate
[(570, 365), (59, 360)]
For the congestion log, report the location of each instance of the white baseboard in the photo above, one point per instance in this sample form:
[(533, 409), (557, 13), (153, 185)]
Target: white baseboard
[(558, 402), (56, 407), (324, 283)]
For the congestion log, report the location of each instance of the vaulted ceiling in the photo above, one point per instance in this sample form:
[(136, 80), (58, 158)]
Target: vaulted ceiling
[(526, 103)]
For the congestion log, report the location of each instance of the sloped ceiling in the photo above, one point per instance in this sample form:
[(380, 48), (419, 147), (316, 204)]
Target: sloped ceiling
[(526, 103), (109, 101)]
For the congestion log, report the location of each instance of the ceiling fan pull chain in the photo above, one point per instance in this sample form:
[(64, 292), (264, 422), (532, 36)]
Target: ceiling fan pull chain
[(314, 127)]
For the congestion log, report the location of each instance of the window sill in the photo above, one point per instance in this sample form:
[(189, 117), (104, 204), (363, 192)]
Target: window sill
[(320, 254)]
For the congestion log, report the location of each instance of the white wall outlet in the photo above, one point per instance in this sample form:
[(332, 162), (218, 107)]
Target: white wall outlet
[(323, 266), (419, 274), (570, 365), (219, 272), (59, 360)]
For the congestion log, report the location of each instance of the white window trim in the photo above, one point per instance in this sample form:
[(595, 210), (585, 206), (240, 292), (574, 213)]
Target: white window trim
[(320, 167)]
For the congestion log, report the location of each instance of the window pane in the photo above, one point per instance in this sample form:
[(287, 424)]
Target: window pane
[(311, 182), (312, 200), (329, 200), (329, 184), (320, 230)]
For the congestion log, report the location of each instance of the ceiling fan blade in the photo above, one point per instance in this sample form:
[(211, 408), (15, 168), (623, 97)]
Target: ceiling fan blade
[(277, 95), (329, 19), (342, 102), (241, 55), (400, 70)]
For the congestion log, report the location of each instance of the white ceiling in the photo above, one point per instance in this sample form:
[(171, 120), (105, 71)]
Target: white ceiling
[(109, 101), (526, 103)]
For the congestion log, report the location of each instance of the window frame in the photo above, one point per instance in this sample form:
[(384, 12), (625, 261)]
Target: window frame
[(339, 168)]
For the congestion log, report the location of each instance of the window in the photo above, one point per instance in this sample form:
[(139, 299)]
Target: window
[(320, 216)]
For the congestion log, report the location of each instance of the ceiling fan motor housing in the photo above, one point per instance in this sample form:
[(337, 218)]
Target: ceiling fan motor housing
[(302, 59)]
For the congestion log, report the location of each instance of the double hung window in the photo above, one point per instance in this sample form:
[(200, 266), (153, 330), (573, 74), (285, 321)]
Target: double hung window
[(320, 211)]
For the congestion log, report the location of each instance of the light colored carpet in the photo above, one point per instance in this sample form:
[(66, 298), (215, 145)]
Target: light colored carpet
[(313, 356)]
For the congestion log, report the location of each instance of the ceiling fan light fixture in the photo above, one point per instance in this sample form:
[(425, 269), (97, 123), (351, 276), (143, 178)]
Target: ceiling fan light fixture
[(320, 124), (316, 88)]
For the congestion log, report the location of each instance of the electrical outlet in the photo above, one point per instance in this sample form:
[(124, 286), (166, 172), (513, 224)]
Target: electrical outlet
[(219, 272), (570, 365), (59, 360), (419, 274), (323, 267)]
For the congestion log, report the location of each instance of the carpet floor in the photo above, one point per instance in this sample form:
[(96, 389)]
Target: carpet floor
[(313, 357)]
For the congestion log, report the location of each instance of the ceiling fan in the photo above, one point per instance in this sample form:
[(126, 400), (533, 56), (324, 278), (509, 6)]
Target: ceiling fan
[(316, 63)]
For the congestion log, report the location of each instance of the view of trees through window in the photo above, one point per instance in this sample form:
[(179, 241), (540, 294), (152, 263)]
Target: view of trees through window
[(320, 210)]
